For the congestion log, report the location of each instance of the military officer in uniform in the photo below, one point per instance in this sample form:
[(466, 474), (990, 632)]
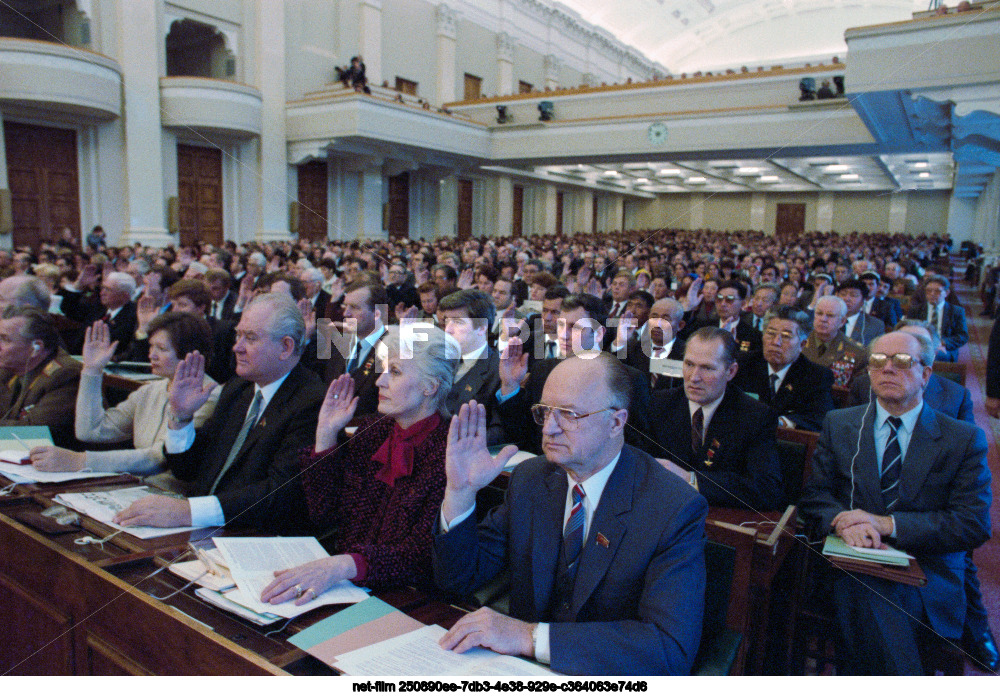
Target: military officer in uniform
[(828, 346)]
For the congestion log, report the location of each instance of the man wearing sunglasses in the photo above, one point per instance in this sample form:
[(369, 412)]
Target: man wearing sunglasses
[(728, 315), (895, 471), (605, 548)]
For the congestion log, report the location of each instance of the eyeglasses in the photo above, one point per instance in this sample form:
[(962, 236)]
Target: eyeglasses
[(772, 335), (726, 298), (900, 361), (566, 418)]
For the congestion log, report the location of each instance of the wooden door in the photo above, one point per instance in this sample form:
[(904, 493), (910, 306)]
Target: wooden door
[(791, 220), (464, 209), (473, 87), (43, 180), (199, 191), (593, 216), (399, 205), (312, 201), (517, 217), (560, 200)]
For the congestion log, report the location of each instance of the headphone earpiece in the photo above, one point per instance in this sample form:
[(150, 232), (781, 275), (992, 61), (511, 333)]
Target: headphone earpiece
[(35, 348)]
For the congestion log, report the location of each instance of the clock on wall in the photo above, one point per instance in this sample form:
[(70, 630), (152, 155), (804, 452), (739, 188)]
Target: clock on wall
[(657, 133)]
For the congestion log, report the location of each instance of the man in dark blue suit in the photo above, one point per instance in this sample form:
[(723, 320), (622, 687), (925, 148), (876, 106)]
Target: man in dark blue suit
[(605, 548), (948, 319), (897, 471)]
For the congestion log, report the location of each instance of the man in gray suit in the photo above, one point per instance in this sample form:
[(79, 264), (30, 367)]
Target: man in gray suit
[(897, 471), (605, 547)]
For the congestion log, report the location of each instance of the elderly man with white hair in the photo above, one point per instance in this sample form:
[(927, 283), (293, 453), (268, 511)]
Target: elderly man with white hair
[(313, 278), (117, 290)]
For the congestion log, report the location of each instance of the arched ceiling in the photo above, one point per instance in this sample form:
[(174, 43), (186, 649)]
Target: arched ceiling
[(692, 35)]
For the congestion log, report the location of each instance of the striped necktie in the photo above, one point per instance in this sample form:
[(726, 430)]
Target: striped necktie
[(573, 531), (892, 463)]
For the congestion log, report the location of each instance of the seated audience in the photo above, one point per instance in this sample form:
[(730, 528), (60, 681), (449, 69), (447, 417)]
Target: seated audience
[(858, 326), (947, 318), (828, 346)]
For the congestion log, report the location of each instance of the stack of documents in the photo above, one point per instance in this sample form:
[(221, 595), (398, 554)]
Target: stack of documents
[(208, 570), (373, 638), (252, 562), (16, 441), (835, 546), (104, 505), (231, 601)]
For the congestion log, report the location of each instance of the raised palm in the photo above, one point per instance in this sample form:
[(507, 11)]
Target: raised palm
[(97, 347), (146, 311), (337, 411), (188, 391), (513, 365), (468, 464)]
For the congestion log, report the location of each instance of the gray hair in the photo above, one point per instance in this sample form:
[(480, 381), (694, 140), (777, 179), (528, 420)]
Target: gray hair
[(26, 291), (802, 321), (926, 326), (286, 319), (311, 274), (839, 303), (258, 259), (122, 281), (430, 350)]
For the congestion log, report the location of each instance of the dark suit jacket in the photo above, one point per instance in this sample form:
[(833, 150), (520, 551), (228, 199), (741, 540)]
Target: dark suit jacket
[(954, 333), (866, 329), (638, 599), (365, 375), (636, 357), (122, 328), (47, 397), (748, 339), (943, 509), (888, 310), (322, 302), (804, 396), (480, 383), (941, 394), (259, 489), (229, 304), (518, 424), (737, 465)]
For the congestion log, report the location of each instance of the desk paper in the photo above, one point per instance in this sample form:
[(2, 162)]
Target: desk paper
[(353, 616), (29, 474), (835, 546), (104, 505)]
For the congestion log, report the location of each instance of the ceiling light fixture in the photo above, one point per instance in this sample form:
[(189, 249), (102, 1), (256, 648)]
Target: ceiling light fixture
[(696, 180), (833, 168), (850, 177), (747, 171), (924, 175), (769, 179), (669, 172)]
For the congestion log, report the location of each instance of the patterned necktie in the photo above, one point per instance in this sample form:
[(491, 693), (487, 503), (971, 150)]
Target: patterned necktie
[(934, 316), (697, 423), (573, 532), (615, 309), (892, 463), (248, 423)]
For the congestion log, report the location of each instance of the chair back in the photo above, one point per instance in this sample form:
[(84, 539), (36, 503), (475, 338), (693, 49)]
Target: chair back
[(951, 370), (795, 452)]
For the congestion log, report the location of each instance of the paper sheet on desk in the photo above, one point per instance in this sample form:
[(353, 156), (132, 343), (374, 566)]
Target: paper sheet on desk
[(29, 474), (253, 560), (835, 546), (417, 654), (104, 505)]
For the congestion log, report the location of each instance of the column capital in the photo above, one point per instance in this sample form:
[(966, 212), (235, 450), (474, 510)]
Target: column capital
[(505, 47), (447, 19)]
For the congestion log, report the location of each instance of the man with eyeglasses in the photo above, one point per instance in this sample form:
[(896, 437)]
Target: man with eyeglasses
[(729, 316), (797, 391), (712, 435), (605, 549), (898, 472), (947, 318)]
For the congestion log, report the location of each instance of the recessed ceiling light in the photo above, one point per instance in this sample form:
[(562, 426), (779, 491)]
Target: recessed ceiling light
[(669, 172), (642, 180), (924, 175), (850, 177), (920, 165), (746, 171), (770, 178), (611, 173), (696, 180), (838, 168)]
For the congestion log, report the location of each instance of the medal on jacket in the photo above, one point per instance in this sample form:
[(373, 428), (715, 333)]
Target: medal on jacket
[(710, 454)]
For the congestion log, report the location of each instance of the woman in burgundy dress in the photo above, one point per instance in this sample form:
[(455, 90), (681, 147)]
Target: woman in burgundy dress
[(380, 491)]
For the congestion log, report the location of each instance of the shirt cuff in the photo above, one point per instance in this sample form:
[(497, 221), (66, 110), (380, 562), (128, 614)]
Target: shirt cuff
[(892, 521), (180, 440), (446, 525), (501, 397), (206, 511), (541, 639)]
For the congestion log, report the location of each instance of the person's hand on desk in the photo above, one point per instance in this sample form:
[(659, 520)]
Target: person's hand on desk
[(155, 511), (468, 464), (306, 582), (489, 629), (50, 458)]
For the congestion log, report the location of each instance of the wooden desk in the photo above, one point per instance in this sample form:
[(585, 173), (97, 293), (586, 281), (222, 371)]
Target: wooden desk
[(96, 610)]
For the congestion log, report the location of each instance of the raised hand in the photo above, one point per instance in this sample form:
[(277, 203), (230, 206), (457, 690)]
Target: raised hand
[(246, 291), (97, 348), (88, 277), (308, 315), (583, 275), (145, 311), (468, 464), (188, 390), (513, 366), (421, 276), (594, 288), (626, 327), (465, 279), (410, 313), (336, 288), (693, 298), (337, 411)]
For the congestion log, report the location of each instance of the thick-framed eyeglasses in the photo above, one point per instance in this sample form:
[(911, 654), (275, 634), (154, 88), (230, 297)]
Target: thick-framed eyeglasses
[(901, 361), (729, 299), (567, 419)]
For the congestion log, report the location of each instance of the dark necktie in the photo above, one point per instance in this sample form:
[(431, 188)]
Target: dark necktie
[(820, 350), (697, 423), (550, 349), (215, 309), (934, 316), (248, 423), (774, 385), (573, 532), (353, 361), (615, 309), (892, 463)]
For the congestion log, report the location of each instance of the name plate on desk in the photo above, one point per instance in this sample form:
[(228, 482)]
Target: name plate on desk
[(666, 367)]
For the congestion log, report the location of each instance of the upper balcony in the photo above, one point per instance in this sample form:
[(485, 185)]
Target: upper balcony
[(54, 78), (211, 106)]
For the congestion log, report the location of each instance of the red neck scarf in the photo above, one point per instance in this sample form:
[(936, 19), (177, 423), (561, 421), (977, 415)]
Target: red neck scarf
[(396, 453)]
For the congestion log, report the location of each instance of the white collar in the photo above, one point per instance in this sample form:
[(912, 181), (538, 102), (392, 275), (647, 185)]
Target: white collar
[(707, 411)]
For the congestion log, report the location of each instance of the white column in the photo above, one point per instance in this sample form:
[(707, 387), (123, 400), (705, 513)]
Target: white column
[(897, 212), (144, 194), (370, 210), (505, 64), (504, 207), (552, 65), (447, 214), (6, 236), (370, 17), (824, 212), (758, 210), (447, 20), (586, 218), (274, 195)]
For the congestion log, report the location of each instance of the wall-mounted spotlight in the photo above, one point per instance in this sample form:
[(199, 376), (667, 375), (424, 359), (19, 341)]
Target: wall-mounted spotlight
[(545, 111), (503, 116)]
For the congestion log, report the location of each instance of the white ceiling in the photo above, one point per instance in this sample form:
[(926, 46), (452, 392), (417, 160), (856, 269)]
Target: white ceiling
[(692, 35), (880, 173)]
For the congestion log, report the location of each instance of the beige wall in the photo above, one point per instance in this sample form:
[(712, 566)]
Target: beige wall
[(409, 40), (314, 44), (476, 54), (927, 212)]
